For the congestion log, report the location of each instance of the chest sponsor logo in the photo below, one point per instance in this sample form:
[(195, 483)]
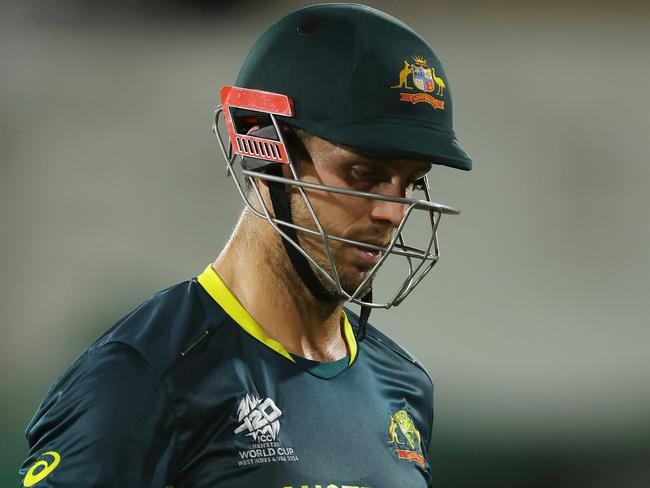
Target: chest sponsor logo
[(404, 438), (259, 420)]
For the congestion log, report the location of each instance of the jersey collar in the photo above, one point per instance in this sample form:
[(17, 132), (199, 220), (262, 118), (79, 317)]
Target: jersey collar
[(220, 293)]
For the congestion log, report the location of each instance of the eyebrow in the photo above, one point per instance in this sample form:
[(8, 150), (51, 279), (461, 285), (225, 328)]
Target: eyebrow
[(367, 158)]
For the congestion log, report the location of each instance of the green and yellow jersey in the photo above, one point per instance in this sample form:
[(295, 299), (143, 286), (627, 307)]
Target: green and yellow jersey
[(188, 391)]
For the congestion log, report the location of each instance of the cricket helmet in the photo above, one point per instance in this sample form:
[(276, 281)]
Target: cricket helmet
[(357, 77)]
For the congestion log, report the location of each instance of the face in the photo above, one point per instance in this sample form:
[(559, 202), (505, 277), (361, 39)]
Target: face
[(350, 217)]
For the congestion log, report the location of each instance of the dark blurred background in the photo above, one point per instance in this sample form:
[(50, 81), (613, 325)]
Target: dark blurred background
[(534, 326)]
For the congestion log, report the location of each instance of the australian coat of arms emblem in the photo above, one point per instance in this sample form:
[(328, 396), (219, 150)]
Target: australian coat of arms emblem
[(422, 78)]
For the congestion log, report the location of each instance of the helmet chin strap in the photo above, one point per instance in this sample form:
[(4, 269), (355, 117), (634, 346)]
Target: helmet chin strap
[(363, 315), (282, 210)]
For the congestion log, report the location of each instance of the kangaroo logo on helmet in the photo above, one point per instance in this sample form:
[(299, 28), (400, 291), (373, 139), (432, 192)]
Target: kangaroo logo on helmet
[(424, 78)]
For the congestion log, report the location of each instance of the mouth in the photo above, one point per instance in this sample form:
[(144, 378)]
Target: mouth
[(369, 255)]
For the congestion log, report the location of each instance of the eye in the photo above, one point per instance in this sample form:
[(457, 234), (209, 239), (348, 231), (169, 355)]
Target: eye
[(363, 174), (364, 178)]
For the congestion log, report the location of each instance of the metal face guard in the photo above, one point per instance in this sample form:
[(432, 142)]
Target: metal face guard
[(419, 260)]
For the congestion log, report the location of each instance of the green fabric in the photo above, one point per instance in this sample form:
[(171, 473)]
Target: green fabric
[(346, 68), (325, 370)]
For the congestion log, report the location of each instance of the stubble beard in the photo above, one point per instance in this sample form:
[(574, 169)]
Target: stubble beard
[(315, 247), (350, 275)]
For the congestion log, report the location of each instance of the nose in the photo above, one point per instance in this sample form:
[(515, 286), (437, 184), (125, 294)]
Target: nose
[(387, 212)]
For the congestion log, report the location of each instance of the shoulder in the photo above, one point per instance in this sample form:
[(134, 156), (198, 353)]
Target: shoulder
[(99, 383), (395, 368), (130, 361), (167, 324), (109, 412)]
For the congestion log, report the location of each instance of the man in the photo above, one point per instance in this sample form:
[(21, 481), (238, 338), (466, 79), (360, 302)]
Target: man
[(253, 374)]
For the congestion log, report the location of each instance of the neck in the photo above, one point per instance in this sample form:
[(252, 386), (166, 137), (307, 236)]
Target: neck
[(256, 269)]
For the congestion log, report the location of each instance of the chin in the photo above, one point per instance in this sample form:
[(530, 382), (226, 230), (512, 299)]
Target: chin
[(350, 286), (351, 272)]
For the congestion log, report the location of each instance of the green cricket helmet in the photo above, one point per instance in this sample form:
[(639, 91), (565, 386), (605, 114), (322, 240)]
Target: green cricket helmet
[(361, 78), (357, 77)]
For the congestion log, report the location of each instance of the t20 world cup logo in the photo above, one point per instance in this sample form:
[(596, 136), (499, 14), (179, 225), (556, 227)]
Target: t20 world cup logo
[(258, 418)]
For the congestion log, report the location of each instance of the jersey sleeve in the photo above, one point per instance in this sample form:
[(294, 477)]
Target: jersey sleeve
[(107, 421)]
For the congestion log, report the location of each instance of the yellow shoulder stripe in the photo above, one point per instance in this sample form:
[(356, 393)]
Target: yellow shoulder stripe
[(218, 290), (220, 293), (350, 340)]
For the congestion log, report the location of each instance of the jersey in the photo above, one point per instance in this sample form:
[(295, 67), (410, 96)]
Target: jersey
[(188, 391)]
